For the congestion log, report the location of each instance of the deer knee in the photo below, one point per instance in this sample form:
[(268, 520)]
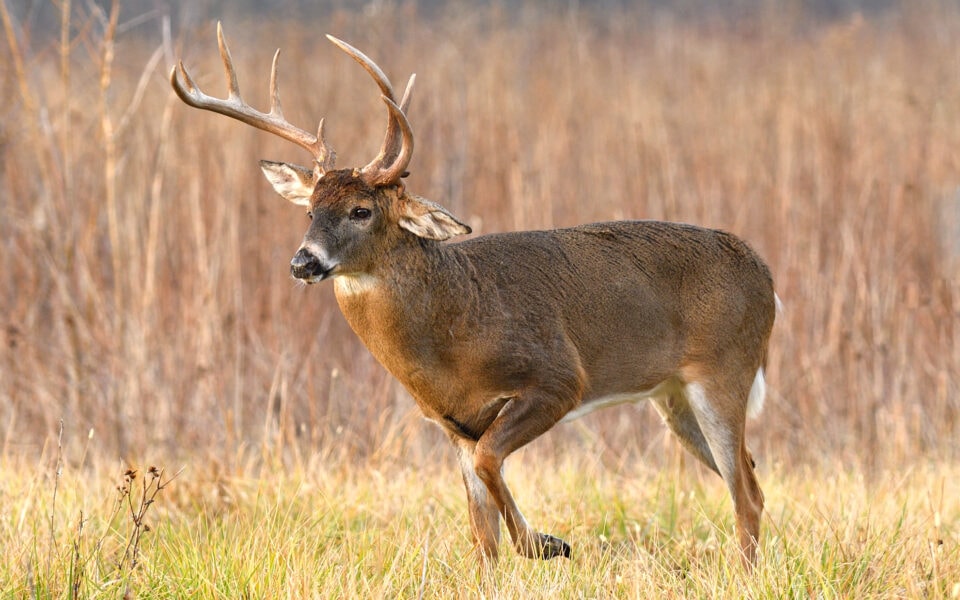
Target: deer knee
[(486, 464)]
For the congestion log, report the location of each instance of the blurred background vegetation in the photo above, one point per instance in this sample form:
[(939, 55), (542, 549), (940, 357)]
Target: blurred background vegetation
[(145, 299)]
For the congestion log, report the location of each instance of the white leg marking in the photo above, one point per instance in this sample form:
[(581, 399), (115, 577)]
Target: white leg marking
[(475, 486), (715, 428)]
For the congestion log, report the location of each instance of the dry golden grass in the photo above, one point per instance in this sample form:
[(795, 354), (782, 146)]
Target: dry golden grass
[(144, 291), (389, 530)]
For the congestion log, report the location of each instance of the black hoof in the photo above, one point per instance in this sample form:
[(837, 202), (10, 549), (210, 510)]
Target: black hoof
[(563, 550), (547, 547)]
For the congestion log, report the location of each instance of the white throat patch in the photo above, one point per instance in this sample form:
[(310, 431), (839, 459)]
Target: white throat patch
[(352, 285)]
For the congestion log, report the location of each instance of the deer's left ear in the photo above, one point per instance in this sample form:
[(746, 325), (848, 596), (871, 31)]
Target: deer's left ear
[(429, 220), (293, 182)]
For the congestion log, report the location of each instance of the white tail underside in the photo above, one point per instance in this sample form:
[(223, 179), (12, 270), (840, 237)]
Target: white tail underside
[(758, 392)]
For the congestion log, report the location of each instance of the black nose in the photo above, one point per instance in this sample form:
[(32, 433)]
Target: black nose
[(305, 265)]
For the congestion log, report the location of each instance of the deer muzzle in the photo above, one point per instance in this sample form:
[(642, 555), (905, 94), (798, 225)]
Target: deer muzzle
[(307, 267)]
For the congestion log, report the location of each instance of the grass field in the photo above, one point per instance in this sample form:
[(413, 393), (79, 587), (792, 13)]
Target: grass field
[(398, 530), (147, 316)]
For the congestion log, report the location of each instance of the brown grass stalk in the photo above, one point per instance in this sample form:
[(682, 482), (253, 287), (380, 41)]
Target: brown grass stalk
[(144, 261)]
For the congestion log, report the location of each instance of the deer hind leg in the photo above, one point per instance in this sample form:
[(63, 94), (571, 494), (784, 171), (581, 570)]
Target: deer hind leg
[(679, 417), (721, 415), (520, 421), (484, 514)]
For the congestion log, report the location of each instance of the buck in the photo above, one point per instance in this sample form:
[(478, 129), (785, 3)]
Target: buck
[(500, 337)]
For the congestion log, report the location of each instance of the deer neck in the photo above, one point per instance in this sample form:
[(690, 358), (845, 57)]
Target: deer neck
[(394, 307), (403, 271)]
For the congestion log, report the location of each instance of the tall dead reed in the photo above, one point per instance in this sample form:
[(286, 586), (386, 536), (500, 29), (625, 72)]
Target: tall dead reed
[(143, 261)]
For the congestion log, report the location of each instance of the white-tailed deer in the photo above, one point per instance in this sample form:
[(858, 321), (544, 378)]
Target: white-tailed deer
[(501, 337)]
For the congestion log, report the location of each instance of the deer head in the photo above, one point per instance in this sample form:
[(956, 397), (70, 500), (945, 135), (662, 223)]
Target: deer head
[(354, 213)]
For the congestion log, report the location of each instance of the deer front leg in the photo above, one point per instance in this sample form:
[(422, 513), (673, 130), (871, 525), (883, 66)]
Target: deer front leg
[(484, 514), (520, 421)]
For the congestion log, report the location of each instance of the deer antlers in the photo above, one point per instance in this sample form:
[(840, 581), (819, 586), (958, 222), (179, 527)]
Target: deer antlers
[(395, 153), (391, 163)]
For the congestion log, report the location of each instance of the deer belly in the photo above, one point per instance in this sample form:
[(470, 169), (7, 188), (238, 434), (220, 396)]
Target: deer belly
[(591, 404)]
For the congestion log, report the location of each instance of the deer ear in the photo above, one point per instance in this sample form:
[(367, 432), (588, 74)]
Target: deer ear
[(428, 219), (293, 182)]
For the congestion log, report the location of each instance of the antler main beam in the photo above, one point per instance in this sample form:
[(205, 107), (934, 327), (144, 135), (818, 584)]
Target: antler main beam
[(235, 107), (397, 149)]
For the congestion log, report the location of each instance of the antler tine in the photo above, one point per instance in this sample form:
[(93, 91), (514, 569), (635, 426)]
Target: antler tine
[(235, 107), (326, 161), (394, 139), (399, 166), (378, 173), (232, 83), (407, 94), (399, 137), (275, 108)]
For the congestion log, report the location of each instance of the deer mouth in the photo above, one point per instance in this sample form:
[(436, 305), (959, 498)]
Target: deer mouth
[(308, 267), (310, 277)]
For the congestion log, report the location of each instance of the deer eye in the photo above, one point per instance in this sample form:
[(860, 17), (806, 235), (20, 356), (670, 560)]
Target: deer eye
[(360, 214), (310, 214)]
